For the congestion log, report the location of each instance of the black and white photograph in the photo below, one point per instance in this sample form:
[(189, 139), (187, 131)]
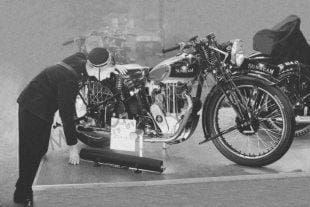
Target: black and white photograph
[(155, 103)]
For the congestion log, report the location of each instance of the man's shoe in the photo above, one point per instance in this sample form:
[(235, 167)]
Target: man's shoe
[(28, 203), (18, 199), (21, 196)]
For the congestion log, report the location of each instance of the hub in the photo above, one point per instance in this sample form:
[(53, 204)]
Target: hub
[(247, 127)]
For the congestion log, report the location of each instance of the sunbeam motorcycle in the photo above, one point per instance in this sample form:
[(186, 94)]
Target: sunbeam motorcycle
[(247, 117), (285, 55)]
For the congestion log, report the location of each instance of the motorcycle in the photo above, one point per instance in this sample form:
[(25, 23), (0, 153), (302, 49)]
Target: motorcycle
[(247, 117), (284, 55), (115, 43)]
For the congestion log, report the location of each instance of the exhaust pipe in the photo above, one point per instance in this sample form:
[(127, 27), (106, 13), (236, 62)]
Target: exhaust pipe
[(302, 119)]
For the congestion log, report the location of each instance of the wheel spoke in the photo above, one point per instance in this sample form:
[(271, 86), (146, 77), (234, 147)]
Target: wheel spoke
[(264, 104), (271, 136), (254, 97), (258, 145), (270, 131), (262, 141)]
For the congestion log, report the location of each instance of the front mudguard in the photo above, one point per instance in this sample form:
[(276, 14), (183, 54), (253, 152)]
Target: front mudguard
[(257, 75), (264, 79)]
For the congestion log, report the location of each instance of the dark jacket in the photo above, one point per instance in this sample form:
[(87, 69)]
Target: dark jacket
[(56, 88)]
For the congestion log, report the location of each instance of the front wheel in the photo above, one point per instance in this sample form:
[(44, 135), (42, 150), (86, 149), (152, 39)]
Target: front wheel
[(257, 143)]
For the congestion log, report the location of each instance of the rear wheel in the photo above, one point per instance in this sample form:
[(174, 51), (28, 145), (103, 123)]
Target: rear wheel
[(93, 127), (289, 85), (300, 128), (258, 143)]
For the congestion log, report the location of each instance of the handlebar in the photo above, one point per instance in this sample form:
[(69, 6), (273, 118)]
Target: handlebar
[(73, 40), (84, 37), (225, 44), (222, 46), (177, 47), (67, 42), (180, 45), (193, 38)]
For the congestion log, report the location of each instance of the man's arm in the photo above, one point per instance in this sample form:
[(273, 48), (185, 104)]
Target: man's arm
[(67, 91)]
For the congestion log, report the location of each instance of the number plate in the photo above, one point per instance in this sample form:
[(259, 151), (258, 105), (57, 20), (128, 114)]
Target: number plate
[(121, 134)]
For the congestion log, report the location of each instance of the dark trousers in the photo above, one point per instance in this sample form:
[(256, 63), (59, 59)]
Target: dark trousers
[(34, 134)]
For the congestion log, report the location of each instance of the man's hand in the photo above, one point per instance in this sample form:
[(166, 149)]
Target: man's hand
[(106, 72), (120, 69), (74, 157)]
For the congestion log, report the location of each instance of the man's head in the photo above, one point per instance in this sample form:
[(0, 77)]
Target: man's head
[(98, 60)]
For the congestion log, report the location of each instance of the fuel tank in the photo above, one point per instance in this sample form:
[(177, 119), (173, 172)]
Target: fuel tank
[(177, 68)]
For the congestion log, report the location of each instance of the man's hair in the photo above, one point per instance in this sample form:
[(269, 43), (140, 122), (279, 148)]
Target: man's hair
[(99, 56)]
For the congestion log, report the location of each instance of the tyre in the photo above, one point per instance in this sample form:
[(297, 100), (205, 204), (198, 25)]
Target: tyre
[(260, 143), (289, 85), (93, 126), (302, 129)]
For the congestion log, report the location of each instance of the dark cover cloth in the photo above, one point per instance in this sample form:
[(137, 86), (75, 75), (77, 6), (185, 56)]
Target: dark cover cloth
[(284, 42), (56, 88)]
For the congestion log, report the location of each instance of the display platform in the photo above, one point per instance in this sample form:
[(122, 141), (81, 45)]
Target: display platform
[(181, 161)]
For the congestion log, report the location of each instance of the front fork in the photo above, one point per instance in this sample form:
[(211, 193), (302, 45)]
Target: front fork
[(236, 100), (238, 103)]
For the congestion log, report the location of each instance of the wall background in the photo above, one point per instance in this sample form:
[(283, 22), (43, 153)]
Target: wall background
[(32, 31)]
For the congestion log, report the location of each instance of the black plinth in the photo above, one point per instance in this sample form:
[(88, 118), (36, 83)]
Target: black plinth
[(111, 157)]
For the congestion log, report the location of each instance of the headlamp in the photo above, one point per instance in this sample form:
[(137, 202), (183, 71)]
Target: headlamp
[(237, 52)]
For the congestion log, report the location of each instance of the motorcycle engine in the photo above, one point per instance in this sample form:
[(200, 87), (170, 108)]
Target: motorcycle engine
[(168, 106)]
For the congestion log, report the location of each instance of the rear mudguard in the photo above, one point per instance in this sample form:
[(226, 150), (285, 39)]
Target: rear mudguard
[(259, 65), (262, 64), (290, 68), (257, 77)]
